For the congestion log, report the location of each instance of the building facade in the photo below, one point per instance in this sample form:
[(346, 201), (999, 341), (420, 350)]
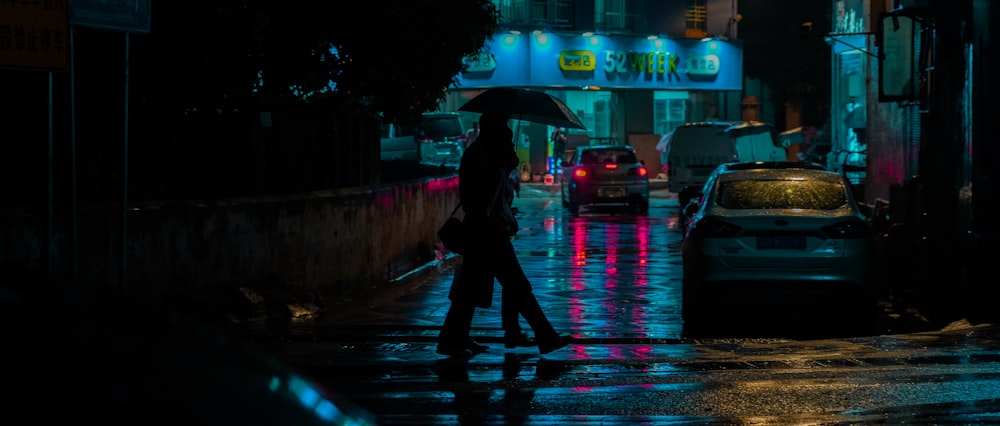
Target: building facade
[(919, 73), (626, 68)]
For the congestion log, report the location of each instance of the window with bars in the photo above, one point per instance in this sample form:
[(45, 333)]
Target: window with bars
[(695, 18), (554, 14), (619, 15)]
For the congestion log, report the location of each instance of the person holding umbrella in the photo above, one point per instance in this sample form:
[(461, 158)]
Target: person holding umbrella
[(486, 195)]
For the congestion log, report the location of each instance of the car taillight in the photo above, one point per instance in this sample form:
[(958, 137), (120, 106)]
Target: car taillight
[(847, 229), (580, 173), (610, 166), (714, 228), (638, 171)]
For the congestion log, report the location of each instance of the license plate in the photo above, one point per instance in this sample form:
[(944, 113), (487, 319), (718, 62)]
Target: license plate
[(781, 243), (611, 192)]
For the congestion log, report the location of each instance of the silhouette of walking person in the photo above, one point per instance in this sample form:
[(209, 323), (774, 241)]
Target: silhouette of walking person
[(486, 195), (472, 134)]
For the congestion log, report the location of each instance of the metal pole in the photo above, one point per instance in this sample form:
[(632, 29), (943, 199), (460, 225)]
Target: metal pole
[(49, 232), (124, 242), (72, 146)]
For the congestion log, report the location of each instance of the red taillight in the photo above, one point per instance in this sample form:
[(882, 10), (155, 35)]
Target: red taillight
[(580, 173), (610, 166), (638, 171)]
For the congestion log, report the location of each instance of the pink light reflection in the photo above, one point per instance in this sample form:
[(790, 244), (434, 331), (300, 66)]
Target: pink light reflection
[(578, 244), (389, 198), (611, 240)]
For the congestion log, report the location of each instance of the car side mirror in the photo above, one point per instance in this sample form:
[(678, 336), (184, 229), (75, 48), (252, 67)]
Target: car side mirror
[(691, 208)]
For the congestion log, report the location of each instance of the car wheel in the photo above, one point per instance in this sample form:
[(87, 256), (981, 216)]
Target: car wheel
[(642, 207), (694, 317)]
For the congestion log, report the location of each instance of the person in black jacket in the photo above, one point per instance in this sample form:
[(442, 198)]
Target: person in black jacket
[(486, 195)]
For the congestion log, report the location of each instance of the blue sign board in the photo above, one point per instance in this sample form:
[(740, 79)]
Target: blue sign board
[(551, 60)]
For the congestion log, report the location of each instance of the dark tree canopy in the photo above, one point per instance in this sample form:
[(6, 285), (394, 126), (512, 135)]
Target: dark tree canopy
[(395, 57)]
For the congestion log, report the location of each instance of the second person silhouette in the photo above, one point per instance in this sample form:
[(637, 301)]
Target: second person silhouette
[(486, 195)]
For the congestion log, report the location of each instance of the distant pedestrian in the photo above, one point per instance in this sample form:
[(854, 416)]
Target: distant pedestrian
[(486, 195), (472, 134), (558, 144)]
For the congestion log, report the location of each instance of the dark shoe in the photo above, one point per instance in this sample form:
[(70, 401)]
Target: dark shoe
[(518, 340), (556, 342)]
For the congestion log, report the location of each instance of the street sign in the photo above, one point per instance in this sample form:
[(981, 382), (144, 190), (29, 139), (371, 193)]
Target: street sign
[(34, 35), (119, 15)]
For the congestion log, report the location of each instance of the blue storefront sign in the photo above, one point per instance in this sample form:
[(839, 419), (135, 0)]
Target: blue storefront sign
[(573, 61)]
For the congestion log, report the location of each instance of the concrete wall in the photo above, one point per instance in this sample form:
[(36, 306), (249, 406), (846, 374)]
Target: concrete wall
[(334, 243)]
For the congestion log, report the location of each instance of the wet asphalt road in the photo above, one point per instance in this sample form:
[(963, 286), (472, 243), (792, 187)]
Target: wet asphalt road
[(611, 279)]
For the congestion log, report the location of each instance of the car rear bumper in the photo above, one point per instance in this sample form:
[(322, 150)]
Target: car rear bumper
[(612, 193)]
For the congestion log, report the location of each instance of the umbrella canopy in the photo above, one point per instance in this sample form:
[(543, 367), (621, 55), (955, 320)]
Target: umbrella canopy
[(526, 105)]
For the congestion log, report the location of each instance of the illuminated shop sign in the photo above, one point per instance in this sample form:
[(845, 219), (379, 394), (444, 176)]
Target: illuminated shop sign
[(607, 62), (641, 62), (703, 65), (652, 63), (483, 62), (577, 60)]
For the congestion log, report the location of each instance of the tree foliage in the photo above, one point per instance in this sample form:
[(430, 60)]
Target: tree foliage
[(397, 58)]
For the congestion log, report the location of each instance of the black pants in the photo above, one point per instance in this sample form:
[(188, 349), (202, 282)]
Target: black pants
[(494, 256)]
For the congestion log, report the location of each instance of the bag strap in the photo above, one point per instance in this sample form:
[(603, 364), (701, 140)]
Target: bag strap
[(456, 208)]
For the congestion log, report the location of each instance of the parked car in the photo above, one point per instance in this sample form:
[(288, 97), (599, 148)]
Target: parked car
[(604, 174), (694, 197), (695, 149), (398, 142), (441, 138), (792, 236)]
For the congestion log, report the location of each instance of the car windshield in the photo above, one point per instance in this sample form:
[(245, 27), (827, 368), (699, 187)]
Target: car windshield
[(442, 127), (616, 156), (781, 194)]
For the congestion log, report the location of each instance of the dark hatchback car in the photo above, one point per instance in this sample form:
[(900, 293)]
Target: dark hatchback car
[(605, 174)]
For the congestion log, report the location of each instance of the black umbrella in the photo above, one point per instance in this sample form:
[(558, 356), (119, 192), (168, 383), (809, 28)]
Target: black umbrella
[(526, 105)]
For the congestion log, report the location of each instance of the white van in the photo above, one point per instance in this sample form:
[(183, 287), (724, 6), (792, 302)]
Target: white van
[(398, 142), (438, 139), (695, 149)]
